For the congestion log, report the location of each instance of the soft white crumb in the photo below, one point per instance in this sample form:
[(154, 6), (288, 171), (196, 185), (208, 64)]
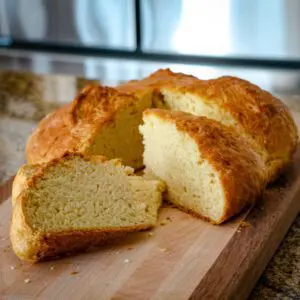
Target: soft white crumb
[(126, 260), (52, 268), (27, 280), (150, 233), (12, 267)]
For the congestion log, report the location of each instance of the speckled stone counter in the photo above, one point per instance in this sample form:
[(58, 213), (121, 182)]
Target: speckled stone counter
[(25, 98), (21, 108), (13, 135), (281, 279)]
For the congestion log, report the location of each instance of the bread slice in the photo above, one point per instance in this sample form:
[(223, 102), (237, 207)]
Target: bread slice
[(254, 113), (74, 202), (100, 121), (209, 170)]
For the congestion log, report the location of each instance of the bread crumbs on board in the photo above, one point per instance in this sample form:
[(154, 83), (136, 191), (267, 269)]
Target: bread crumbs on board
[(27, 280), (74, 273), (164, 250), (166, 221), (245, 224)]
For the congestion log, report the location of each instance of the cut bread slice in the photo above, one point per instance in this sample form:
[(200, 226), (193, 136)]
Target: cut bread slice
[(209, 170), (100, 121), (74, 202), (254, 113)]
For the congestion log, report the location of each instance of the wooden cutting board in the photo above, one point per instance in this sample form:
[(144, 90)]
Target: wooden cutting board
[(182, 258)]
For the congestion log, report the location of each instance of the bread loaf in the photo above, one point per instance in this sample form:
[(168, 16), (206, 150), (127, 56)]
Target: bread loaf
[(209, 169), (73, 202), (104, 121), (100, 120), (254, 113)]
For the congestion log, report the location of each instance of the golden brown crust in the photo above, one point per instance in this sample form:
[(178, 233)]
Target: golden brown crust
[(260, 115), (74, 126), (21, 180), (98, 104), (241, 170), (157, 80), (51, 138)]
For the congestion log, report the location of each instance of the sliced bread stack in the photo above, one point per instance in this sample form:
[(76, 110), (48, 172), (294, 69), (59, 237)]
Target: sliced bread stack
[(75, 201)]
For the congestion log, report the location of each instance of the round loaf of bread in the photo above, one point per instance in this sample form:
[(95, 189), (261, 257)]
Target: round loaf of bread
[(104, 121)]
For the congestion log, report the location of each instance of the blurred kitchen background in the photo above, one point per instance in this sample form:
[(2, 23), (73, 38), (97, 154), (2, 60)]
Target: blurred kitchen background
[(118, 40)]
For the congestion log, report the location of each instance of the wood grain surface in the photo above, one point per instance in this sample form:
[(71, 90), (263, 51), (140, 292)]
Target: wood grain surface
[(182, 258)]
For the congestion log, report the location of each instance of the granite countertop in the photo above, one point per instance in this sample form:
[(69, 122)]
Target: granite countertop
[(25, 98)]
